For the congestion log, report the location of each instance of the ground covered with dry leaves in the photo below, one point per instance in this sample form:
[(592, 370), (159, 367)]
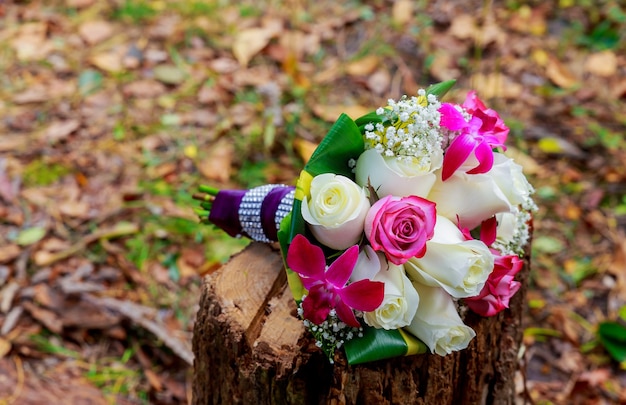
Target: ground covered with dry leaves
[(112, 112)]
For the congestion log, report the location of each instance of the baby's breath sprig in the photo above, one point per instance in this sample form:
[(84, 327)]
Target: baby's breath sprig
[(331, 334), (409, 129)]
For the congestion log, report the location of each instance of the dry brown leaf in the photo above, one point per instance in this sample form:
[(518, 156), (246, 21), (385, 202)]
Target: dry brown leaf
[(217, 165), (304, 148), (34, 94), (153, 379), (402, 11), (379, 82), (251, 41), (144, 89), (559, 74), (79, 3), (602, 63), (443, 66), (463, 27), (94, 32), (330, 113), (107, 61), (74, 209), (363, 66), (5, 347), (496, 85), (48, 318), (31, 43), (9, 252), (60, 130)]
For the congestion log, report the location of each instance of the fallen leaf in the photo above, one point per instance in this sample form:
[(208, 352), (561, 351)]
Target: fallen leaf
[(107, 61), (602, 63), (169, 74), (379, 82), (217, 165), (304, 148), (559, 146), (60, 130), (9, 252), (31, 43), (75, 209), (496, 85), (34, 94), (249, 42), (94, 32), (559, 74), (363, 66), (330, 113), (30, 235), (5, 347), (48, 318), (463, 27), (144, 89), (402, 11)]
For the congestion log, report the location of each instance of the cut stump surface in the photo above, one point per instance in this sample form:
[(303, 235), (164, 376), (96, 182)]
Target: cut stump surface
[(250, 348)]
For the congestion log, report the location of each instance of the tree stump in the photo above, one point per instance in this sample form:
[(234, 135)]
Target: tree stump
[(250, 348)]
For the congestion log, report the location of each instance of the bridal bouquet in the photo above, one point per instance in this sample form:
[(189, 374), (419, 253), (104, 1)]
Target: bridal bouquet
[(399, 219)]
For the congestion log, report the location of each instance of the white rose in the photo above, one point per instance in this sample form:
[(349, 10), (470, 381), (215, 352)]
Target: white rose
[(509, 176), (474, 198), (461, 267), (507, 225), (393, 176), (400, 301), (437, 322), (335, 210)]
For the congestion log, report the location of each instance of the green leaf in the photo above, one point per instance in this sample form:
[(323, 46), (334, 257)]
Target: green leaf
[(378, 344), (89, 82), (30, 235), (613, 337), (342, 143), (547, 244), (440, 89)]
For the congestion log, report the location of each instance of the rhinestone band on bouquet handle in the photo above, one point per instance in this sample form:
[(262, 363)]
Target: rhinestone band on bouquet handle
[(401, 219)]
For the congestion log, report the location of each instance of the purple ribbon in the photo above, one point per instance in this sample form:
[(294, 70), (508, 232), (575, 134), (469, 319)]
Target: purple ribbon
[(268, 211), (225, 211)]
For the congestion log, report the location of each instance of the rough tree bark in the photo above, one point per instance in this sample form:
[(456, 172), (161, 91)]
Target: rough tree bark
[(250, 348)]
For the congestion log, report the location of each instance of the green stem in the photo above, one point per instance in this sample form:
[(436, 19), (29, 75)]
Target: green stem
[(201, 213), (208, 189)]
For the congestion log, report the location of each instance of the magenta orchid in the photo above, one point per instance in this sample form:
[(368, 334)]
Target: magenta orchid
[(484, 132), (327, 285)]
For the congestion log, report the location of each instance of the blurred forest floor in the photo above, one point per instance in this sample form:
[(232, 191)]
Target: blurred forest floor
[(112, 112)]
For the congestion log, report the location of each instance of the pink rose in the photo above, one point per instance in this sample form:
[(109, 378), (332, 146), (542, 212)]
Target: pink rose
[(492, 124), (500, 287), (400, 226)]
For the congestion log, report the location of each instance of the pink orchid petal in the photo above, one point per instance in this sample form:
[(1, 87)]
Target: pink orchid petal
[(488, 231), (340, 270), (306, 259), (484, 155), (345, 314), (457, 153), (363, 295), (317, 305), (451, 118)]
